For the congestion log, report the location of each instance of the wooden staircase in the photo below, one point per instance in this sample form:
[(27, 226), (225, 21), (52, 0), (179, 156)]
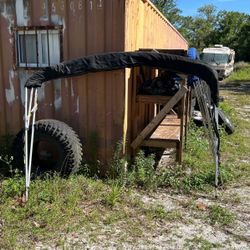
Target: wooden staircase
[(166, 130)]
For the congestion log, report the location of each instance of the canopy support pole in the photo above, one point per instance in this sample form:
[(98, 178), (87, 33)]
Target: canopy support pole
[(30, 113)]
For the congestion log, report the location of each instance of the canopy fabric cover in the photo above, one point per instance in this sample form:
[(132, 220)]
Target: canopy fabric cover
[(121, 60)]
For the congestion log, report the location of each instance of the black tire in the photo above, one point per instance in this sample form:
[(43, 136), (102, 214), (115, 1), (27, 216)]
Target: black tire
[(57, 148), (224, 121)]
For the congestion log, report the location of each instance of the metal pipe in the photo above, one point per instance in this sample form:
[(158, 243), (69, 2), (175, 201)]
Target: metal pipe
[(48, 48), (32, 135), (26, 143), (30, 105), (37, 53), (25, 49)]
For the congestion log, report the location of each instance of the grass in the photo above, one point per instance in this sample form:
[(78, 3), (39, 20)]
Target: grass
[(159, 212), (199, 242), (235, 148), (59, 206), (241, 74), (220, 215)]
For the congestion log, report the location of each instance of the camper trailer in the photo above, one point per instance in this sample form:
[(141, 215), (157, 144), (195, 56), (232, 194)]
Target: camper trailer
[(220, 58)]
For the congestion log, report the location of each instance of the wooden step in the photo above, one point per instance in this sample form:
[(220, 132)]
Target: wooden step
[(167, 134)]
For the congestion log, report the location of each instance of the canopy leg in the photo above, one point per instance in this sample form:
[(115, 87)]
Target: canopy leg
[(29, 112)]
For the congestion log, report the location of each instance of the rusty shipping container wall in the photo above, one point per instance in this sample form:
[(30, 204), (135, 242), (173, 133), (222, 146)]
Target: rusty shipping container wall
[(97, 106)]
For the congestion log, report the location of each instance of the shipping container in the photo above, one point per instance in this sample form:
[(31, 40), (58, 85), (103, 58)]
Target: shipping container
[(100, 107)]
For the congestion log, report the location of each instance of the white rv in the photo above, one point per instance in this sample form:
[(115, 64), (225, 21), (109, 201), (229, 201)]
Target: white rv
[(220, 58)]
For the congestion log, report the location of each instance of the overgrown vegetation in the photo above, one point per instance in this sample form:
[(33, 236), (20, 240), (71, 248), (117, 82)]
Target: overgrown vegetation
[(5, 155), (242, 72), (220, 215)]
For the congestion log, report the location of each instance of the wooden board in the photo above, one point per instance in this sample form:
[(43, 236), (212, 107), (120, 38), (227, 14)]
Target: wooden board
[(155, 99), (169, 129)]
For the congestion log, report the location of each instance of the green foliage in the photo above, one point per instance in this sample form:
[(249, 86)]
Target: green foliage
[(227, 109), (196, 173), (12, 187), (220, 215), (242, 74), (5, 155), (199, 242), (142, 173), (241, 65), (53, 201), (118, 166), (199, 29), (232, 30), (159, 212), (114, 195), (242, 48), (7, 160)]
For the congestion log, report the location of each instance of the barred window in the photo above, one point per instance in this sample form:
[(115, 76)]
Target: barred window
[(37, 47)]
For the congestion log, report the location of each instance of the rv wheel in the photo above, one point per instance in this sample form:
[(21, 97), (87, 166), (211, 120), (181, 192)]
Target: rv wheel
[(56, 148)]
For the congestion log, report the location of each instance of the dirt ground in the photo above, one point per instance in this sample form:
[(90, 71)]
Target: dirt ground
[(191, 231)]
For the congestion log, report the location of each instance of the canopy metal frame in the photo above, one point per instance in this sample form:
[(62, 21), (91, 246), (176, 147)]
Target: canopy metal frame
[(31, 107)]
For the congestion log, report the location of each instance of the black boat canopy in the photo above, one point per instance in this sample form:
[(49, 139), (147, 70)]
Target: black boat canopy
[(121, 60)]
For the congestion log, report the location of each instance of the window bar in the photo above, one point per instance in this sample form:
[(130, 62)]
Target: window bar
[(17, 49), (25, 51), (48, 47), (61, 43), (13, 35), (37, 55)]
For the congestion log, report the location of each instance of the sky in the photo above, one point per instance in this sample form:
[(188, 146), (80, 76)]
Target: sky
[(189, 7)]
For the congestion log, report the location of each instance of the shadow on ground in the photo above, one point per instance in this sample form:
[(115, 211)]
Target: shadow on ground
[(239, 87)]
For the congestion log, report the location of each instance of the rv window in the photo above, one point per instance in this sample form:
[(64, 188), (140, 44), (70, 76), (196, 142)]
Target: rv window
[(38, 47), (214, 58)]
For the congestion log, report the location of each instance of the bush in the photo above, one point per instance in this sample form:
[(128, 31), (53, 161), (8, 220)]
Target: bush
[(240, 65), (12, 187), (143, 173)]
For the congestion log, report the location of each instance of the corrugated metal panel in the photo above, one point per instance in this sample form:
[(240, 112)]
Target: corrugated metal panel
[(2, 98), (146, 27), (93, 105)]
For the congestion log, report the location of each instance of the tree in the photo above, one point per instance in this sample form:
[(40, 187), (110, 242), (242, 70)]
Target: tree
[(243, 39), (169, 9), (202, 26), (232, 30)]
